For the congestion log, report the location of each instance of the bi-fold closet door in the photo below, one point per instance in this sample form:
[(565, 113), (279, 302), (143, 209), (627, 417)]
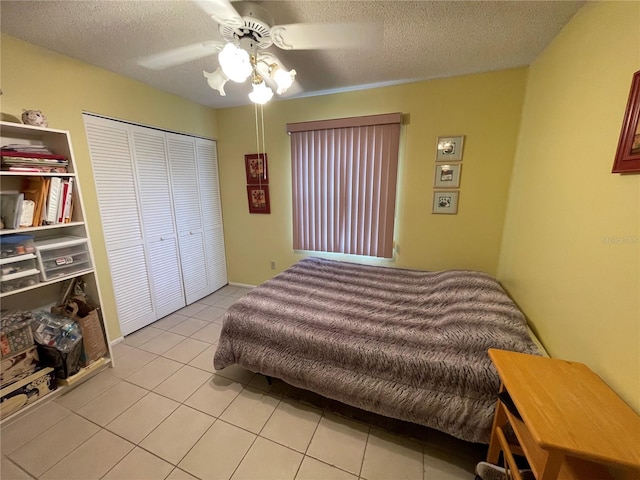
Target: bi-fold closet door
[(184, 177), (193, 164), (158, 221), (159, 200)]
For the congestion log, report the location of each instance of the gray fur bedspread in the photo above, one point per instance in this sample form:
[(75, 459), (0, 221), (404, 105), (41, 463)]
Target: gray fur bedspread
[(406, 344)]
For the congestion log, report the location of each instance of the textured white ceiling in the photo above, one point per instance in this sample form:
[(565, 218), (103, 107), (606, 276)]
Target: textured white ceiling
[(417, 40)]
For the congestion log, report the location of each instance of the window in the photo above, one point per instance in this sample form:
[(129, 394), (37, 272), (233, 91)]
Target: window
[(344, 176)]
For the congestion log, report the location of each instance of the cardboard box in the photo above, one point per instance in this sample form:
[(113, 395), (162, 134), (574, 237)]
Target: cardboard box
[(26, 391), (19, 365)]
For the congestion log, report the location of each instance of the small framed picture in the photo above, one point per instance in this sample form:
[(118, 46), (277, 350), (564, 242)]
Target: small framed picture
[(447, 176), (258, 197), (445, 202), (449, 149), (628, 153), (255, 165)]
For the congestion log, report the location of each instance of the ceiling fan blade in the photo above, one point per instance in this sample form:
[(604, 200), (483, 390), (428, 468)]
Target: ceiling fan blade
[(313, 36), (180, 55), (221, 11)]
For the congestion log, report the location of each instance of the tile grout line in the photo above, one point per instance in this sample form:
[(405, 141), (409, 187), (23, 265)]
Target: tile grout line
[(364, 454), (138, 444), (304, 455), (72, 451), (324, 461), (118, 381), (245, 386), (19, 467)]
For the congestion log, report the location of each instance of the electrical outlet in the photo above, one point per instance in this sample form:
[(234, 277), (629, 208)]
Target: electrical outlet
[(273, 265)]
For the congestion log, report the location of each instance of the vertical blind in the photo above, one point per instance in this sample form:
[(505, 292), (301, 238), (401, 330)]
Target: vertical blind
[(344, 176)]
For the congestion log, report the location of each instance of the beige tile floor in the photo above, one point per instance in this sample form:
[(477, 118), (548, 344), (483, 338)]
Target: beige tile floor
[(164, 413)]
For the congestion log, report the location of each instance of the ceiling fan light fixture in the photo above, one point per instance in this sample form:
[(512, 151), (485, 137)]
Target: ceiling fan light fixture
[(283, 78), (235, 63), (217, 80), (261, 94)]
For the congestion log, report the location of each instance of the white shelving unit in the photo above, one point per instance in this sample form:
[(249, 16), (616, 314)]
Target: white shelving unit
[(44, 294)]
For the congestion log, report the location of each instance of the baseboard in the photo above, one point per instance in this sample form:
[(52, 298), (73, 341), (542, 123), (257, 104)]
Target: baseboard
[(245, 285)]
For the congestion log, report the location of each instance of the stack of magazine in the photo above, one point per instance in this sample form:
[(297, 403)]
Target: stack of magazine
[(32, 158)]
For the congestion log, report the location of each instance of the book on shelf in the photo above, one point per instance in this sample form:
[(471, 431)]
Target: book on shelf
[(60, 201), (68, 202), (64, 206), (23, 169), (41, 201), (64, 186), (31, 155), (26, 148), (53, 201), (33, 161), (34, 168), (24, 164)]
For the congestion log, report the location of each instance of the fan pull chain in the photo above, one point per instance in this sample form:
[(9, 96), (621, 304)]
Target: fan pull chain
[(258, 142), (264, 148), (264, 169)]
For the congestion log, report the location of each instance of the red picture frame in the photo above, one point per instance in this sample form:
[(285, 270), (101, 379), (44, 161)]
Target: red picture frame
[(255, 165), (628, 154), (258, 198)]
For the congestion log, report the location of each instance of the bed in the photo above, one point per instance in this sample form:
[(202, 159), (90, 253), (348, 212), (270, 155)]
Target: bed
[(406, 344)]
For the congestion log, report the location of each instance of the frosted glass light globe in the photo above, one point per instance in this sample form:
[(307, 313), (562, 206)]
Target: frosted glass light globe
[(261, 93), (282, 78), (217, 80), (235, 63)]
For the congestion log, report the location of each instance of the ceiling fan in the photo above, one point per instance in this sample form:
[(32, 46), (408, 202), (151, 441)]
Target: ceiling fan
[(247, 29)]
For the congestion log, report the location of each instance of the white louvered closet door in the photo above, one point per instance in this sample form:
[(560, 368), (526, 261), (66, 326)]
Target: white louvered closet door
[(188, 211), (158, 222), (114, 174), (209, 185)]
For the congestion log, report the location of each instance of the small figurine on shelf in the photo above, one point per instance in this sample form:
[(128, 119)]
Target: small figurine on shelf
[(34, 117)]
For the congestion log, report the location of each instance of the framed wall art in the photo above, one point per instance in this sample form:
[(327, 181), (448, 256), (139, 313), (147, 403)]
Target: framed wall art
[(255, 165), (258, 197), (445, 202), (628, 154), (449, 149), (447, 175)]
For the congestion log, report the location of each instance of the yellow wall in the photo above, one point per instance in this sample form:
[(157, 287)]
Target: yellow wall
[(36, 78), (486, 108), (571, 249), (570, 252)]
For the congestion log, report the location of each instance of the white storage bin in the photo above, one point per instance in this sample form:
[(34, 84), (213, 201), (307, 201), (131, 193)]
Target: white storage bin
[(59, 257), (21, 263), (16, 281)]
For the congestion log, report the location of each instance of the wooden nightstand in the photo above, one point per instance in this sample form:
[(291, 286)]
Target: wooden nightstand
[(572, 424)]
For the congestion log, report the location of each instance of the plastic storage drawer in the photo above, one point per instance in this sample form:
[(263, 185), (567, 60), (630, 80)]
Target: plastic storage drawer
[(63, 256), (16, 244), (19, 280), (21, 263)]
